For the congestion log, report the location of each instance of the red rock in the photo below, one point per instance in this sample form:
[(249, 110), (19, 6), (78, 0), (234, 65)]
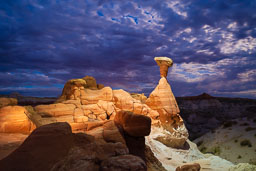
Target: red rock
[(71, 90), (133, 124), (189, 167), (7, 101), (13, 119), (111, 133), (123, 100), (44, 147), (90, 82), (93, 96), (57, 109), (164, 63)]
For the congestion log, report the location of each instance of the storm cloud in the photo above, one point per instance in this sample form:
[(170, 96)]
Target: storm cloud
[(45, 43)]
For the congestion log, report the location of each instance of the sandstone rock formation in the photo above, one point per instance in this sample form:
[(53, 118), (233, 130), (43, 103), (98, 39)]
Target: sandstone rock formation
[(164, 63), (7, 101), (54, 147), (73, 89), (163, 101), (133, 124), (107, 130), (141, 97), (80, 104), (13, 119), (134, 128)]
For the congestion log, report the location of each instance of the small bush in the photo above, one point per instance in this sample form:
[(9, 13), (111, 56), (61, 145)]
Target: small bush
[(199, 143), (236, 141), (246, 143), (216, 150), (239, 157)]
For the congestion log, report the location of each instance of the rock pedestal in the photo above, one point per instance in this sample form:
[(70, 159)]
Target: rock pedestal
[(163, 101), (164, 63)]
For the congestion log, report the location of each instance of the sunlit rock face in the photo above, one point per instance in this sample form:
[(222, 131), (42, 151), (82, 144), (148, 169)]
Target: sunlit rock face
[(7, 101), (163, 101), (13, 119), (164, 63), (54, 147), (74, 89)]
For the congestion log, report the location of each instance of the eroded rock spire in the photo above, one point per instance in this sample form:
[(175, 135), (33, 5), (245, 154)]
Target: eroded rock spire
[(164, 63)]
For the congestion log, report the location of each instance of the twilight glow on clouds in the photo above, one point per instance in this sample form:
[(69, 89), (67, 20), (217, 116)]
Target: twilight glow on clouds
[(45, 43)]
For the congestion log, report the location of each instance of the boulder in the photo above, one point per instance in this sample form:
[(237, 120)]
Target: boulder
[(13, 119), (71, 90), (111, 133), (133, 124), (189, 167), (8, 101), (75, 89), (141, 97), (164, 63), (123, 163), (100, 86), (41, 150), (123, 100), (90, 82)]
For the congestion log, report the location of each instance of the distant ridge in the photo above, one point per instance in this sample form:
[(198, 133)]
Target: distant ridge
[(199, 97)]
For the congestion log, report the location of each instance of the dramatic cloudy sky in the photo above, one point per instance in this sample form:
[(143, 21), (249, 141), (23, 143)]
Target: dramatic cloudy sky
[(44, 43)]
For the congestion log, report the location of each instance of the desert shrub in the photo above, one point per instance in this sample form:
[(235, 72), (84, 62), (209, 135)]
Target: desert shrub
[(216, 150), (199, 143), (249, 129), (203, 149), (239, 157), (236, 141), (246, 143), (252, 162)]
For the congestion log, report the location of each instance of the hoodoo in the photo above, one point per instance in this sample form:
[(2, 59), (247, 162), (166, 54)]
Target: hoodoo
[(163, 101), (164, 63)]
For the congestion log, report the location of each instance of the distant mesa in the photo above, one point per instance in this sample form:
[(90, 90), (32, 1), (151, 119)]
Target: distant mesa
[(199, 97)]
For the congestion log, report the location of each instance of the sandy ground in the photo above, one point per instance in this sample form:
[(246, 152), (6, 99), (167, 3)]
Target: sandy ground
[(171, 158), (227, 142), (10, 142)]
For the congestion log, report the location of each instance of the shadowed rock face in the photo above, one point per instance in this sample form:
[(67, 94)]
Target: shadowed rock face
[(54, 147), (4, 101)]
